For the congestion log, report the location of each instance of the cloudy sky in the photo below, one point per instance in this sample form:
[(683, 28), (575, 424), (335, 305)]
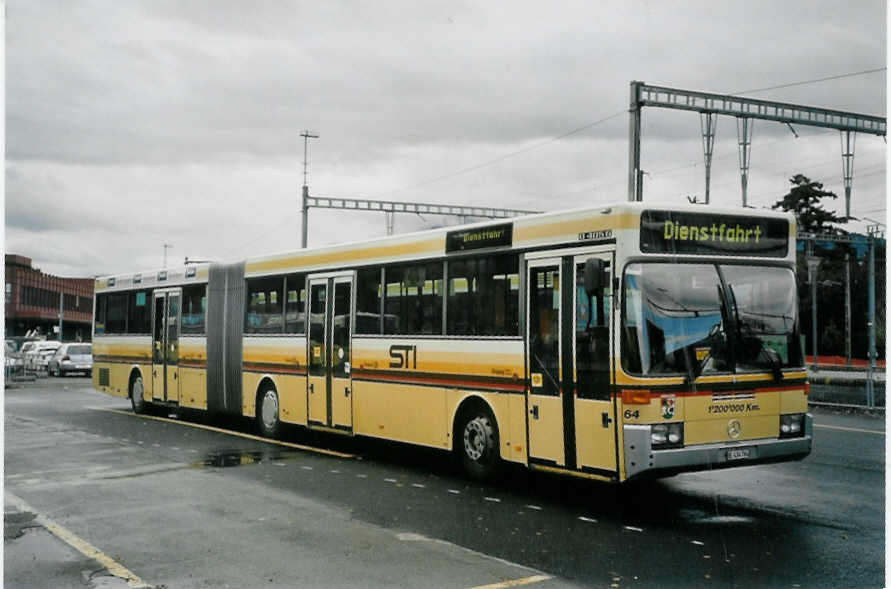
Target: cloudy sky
[(130, 124)]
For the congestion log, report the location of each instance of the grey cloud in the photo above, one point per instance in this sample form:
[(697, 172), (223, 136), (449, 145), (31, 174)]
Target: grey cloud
[(186, 116), (199, 82)]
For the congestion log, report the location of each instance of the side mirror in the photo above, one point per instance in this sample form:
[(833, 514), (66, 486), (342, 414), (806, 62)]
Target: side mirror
[(593, 276)]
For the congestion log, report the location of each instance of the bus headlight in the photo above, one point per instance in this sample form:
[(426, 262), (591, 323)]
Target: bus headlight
[(666, 435), (792, 425)]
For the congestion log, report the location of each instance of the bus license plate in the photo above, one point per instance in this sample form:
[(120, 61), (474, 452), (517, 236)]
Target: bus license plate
[(740, 453)]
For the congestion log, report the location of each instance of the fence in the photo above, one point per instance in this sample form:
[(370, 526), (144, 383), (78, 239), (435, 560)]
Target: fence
[(841, 290)]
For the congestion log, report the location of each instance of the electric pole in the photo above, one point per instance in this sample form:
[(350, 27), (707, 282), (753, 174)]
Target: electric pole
[(306, 137)]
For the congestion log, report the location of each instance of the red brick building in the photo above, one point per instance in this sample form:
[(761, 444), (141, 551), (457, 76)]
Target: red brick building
[(32, 302)]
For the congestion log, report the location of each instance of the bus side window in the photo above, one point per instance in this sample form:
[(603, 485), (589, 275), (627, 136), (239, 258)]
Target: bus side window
[(295, 303), (264, 302), (101, 305), (592, 327)]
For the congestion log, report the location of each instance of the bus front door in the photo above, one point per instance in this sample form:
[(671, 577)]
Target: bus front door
[(545, 394), (165, 345), (329, 385), (571, 414)]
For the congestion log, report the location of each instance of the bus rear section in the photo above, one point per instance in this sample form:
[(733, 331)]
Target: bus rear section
[(712, 372)]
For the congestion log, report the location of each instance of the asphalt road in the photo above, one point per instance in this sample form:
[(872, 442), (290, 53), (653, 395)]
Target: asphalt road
[(95, 495)]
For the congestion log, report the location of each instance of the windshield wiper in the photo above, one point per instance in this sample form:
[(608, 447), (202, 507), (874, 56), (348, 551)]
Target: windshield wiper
[(694, 367), (773, 359)]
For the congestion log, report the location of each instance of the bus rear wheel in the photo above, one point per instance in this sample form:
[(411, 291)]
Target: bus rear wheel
[(267, 414), (478, 444), (136, 400)]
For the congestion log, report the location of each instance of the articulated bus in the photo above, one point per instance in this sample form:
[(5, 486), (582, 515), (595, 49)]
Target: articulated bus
[(611, 343)]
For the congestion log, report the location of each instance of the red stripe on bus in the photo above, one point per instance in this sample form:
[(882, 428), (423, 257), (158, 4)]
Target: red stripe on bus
[(281, 369), (457, 382)]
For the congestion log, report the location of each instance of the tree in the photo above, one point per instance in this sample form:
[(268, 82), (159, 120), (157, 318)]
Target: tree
[(804, 200)]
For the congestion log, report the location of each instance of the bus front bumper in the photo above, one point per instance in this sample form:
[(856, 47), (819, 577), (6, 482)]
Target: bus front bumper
[(641, 460)]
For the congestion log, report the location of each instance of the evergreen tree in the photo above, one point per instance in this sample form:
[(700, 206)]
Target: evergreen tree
[(804, 201)]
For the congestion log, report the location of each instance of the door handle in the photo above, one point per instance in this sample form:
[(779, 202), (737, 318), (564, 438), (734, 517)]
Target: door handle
[(346, 391), (310, 388), (534, 411), (606, 419)]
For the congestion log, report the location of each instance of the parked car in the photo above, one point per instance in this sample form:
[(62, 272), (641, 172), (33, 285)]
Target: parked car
[(35, 357), (69, 358), (20, 340), (14, 366), (25, 351)]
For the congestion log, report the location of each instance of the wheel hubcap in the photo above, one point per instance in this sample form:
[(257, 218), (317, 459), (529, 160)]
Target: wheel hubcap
[(475, 439), (137, 391), (270, 410)]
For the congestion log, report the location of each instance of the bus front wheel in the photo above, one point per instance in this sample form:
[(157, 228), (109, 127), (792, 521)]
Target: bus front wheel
[(478, 444), (136, 400)]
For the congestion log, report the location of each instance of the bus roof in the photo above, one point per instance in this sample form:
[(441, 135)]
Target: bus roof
[(579, 226)]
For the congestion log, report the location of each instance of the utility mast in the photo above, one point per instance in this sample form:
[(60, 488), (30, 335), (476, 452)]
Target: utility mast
[(306, 137)]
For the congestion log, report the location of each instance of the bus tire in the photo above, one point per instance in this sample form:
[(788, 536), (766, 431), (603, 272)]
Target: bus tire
[(136, 392), (267, 412), (477, 443)]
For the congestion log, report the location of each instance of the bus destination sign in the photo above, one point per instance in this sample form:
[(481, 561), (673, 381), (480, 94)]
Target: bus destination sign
[(672, 232), (479, 238)]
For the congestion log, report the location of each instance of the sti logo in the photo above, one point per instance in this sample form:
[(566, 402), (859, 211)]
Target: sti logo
[(403, 356)]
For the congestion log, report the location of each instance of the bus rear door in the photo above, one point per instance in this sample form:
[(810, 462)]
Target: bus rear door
[(571, 414), (165, 344), (329, 385)]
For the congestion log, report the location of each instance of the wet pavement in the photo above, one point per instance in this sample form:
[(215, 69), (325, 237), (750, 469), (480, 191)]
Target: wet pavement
[(180, 506)]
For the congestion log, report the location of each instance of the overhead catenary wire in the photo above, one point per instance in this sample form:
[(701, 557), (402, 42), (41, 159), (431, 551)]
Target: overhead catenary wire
[(541, 144), (500, 158), (813, 81)]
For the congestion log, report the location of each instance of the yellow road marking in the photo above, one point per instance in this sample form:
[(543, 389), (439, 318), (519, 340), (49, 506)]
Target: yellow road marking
[(231, 433), (852, 429), (81, 545), (515, 582)]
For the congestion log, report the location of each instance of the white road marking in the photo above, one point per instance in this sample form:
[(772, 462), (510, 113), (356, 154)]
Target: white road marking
[(492, 499), (587, 519), (633, 529), (229, 432), (418, 485), (390, 480), (538, 576), (306, 467), (81, 545), (454, 491), (535, 507), (697, 543), (515, 582), (852, 429), (361, 476)]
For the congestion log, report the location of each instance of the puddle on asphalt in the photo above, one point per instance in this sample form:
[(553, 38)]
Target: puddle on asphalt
[(229, 458)]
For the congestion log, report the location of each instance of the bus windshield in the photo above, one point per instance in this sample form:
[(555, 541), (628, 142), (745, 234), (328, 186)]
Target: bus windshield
[(704, 318)]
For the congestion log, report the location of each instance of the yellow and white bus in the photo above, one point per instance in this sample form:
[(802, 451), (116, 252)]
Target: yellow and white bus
[(609, 343)]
